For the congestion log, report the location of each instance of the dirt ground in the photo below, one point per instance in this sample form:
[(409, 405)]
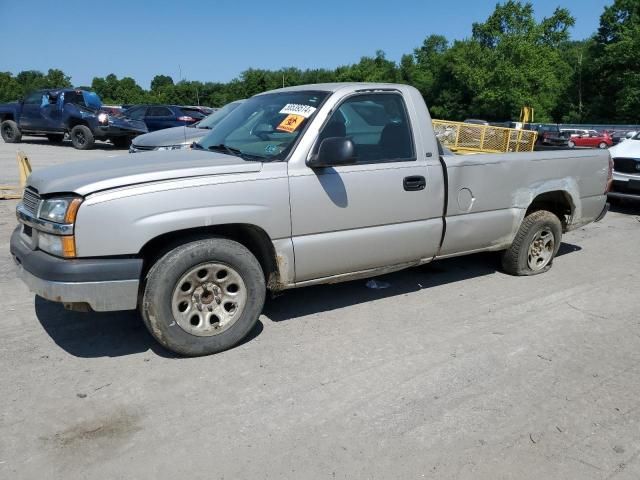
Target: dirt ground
[(454, 371)]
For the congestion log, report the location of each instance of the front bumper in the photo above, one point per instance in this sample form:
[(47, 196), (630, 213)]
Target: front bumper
[(106, 284), (625, 185)]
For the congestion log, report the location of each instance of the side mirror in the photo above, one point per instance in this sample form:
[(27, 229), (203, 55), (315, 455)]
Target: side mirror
[(333, 151)]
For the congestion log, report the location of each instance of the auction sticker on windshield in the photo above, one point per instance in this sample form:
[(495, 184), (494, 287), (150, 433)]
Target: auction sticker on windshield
[(297, 109), (290, 123)]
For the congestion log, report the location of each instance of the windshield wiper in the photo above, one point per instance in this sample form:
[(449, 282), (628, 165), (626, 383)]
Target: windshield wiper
[(225, 148), (235, 152)]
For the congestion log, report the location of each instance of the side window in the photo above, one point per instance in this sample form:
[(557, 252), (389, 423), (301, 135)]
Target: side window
[(136, 113), (34, 98), (378, 126), (74, 97), (159, 112)]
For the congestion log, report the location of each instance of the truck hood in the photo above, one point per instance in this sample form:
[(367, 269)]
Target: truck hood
[(170, 136), (627, 149), (89, 176)]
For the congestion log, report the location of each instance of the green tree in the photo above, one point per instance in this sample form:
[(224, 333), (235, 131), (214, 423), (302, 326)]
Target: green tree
[(10, 89), (56, 78), (613, 74), (161, 81)]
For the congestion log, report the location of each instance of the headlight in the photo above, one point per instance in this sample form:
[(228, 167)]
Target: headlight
[(58, 245), (59, 210), (103, 118), (174, 147)]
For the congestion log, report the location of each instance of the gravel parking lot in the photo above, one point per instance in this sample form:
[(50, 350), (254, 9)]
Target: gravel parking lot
[(455, 370)]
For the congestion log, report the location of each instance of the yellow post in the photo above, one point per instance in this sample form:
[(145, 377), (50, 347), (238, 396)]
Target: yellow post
[(24, 168)]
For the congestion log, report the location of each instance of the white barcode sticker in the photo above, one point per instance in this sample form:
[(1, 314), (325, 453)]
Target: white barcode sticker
[(297, 109)]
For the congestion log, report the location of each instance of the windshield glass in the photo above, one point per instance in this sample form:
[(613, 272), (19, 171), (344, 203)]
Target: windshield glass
[(265, 126), (213, 119), (92, 100), (636, 136)]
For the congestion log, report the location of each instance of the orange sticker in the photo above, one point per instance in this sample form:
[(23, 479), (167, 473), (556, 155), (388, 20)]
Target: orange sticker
[(291, 123)]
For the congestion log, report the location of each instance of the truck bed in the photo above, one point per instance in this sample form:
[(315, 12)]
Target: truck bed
[(488, 194)]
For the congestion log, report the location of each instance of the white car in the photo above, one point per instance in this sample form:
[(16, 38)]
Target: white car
[(626, 169)]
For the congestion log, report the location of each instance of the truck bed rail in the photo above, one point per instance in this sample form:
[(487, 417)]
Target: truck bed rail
[(470, 138)]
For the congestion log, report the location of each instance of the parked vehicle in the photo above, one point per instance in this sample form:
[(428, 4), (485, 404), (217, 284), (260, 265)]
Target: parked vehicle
[(573, 132), (77, 113), (549, 135), (618, 136), (157, 117), (202, 109), (591, 139), (626, 169), (181, 137), (298, 186)]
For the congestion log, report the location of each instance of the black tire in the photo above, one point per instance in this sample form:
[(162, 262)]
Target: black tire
[(121, 142), (515, 260), (602, 145), (164, 278), (10, 132), (55, 137), (571, 144), (82, 137)]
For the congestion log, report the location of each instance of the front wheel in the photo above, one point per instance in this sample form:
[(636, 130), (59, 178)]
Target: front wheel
[(535, 245), (203, 297), (602, 145), (571, 144), (10, 132), (81, 137)]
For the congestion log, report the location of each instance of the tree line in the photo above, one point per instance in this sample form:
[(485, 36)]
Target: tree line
[(509, 61)]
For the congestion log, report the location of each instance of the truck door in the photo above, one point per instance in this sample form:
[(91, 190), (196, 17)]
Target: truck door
[(31, 117), (384, 210)]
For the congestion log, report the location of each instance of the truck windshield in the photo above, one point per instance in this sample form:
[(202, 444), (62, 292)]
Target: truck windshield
[(92, 100), (213, 119), (264, 127)]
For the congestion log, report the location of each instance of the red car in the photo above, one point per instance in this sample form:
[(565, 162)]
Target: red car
[(591, 139)]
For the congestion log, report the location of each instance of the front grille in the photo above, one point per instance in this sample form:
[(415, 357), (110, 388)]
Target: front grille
[(141, 148), (625, 187), (30, 200), (626, 165)]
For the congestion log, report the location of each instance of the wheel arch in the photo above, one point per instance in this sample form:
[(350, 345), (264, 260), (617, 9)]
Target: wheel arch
[(254, 238), (74, 122), (7, 116), (558, 202)]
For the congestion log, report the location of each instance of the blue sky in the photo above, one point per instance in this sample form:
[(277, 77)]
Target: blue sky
[(218, 39)]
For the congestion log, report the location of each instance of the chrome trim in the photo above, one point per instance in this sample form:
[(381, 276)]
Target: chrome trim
[(101, 296), (24, 216)]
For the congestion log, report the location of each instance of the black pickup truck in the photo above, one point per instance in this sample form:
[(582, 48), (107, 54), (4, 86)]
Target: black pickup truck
[(77, 113)]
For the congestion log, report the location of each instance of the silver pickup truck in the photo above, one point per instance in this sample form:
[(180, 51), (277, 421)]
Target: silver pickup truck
[(298, 186)]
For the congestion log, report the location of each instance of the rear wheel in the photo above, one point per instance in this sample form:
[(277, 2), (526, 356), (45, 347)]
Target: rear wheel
[(535, 246), (10, 132), (55, 137), (81, 137), (203, 297)]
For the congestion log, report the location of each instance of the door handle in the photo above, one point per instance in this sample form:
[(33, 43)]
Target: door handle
[(413, 183)]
